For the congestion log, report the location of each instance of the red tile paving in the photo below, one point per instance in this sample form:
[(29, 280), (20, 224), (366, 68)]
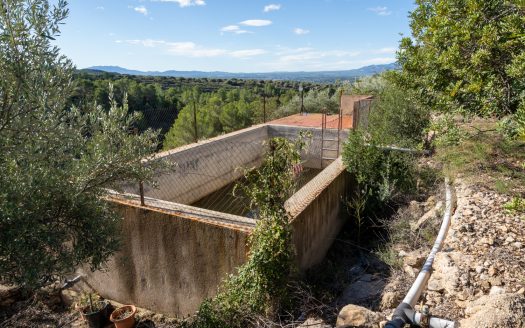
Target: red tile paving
[(314, 120)]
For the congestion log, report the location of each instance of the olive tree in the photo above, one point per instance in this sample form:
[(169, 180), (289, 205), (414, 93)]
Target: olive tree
[(56, 163)]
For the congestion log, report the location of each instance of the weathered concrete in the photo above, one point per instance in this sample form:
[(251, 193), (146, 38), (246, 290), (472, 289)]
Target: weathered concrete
[(349, 103), (315, 120), (207, 166), (318, 213), (172, 258), (361, 113)]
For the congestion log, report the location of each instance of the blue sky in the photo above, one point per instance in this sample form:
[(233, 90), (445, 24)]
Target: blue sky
[(234, 35)]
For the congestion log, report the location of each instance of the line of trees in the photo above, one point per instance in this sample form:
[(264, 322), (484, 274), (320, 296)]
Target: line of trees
[(221, 106)]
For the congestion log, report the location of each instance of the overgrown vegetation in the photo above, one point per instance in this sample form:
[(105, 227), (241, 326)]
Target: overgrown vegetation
[(56, 161), (464, 59), (260, 287), (388, 177), (397, 116)]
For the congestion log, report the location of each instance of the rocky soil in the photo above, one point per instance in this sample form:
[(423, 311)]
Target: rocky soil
[(479, 276)]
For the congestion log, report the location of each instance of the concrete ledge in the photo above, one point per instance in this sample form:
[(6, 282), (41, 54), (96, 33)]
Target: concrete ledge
[(219, 138), (310, 191), (204, 167), (186, 212)]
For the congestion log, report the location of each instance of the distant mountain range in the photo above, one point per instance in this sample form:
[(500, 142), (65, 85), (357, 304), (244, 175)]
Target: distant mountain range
[(321, 76)]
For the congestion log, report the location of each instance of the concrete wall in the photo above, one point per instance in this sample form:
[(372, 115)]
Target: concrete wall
[(349, 103), (361, 113), (318, 213), (172, 258), (312, 157), (207, 166)]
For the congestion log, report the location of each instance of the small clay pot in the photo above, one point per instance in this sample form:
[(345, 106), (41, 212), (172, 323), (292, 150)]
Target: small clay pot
[(96, 319), (124, 322)]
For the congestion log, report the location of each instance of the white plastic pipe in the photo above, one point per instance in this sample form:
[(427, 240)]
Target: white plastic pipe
[(405, 313), (422, 278), (433, 321)]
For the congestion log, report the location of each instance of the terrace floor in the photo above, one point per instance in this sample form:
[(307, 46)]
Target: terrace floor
[(314, 120)]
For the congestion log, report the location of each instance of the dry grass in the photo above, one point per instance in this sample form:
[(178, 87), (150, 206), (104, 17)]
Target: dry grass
[(486, 158)]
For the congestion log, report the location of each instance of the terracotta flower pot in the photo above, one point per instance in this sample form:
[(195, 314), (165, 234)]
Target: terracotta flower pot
[(124, 316)]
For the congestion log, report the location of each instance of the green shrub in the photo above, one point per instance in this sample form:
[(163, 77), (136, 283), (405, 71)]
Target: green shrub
[(447, 131), (397, 118), (516, 205), (508, 127), (381, 174), (388, 255)]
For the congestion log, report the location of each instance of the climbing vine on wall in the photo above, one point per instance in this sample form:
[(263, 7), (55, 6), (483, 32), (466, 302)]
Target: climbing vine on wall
[(260, 285)]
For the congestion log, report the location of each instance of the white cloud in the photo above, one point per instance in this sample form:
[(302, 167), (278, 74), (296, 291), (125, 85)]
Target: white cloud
[(100, 8), (141, 10), (300, 31), (381, 11), (378, 61), (191, 49), (247, 53), (387, 50), (307, 54), (185, 3), (230, 28), (271, 7), (286, 51), (233, 29), (256, 22)]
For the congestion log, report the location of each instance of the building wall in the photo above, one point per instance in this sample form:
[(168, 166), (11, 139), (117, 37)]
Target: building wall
[(170, 261), (361, 113)]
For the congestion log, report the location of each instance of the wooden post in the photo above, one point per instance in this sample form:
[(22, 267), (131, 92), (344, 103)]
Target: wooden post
[(141, 190), (302, 100), (340, 126), (195, 120), (264, 108)]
